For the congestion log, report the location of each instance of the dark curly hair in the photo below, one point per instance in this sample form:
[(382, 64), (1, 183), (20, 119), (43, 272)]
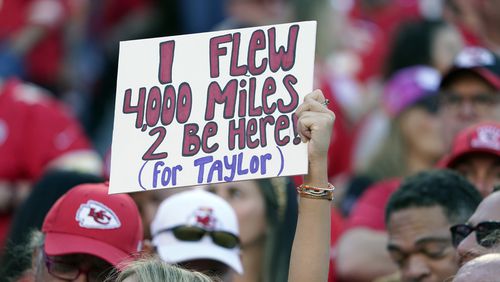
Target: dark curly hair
[(444, 188)]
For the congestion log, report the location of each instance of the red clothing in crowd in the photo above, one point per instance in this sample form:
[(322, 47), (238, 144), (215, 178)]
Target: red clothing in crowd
[(35, 129), (43, 61), (369, 210), (381, 24)]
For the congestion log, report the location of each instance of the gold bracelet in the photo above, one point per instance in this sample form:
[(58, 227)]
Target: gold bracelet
[(313, 192)]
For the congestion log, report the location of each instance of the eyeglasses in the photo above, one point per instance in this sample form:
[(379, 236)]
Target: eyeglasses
[(480, 102), (192, 233), (70, 272), (487, 233)]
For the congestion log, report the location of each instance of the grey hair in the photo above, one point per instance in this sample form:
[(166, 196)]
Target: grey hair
[(30, 255), (35, 247), (153, 269)]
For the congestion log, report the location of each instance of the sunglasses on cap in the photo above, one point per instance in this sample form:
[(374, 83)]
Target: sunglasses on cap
[(487, 233), (192, 233)]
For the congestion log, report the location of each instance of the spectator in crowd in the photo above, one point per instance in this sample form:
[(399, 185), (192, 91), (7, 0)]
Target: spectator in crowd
[(470, 91), (469, 95), (477, 20), (179, 230), (31, 215), (475, 154), (32, 39), (154, 269), (267, 213), (432, 43), (418, 217), (36, 133), (481, 269), (148, 202), (413, 145), (198, 213), (85, 235), (481, 234)]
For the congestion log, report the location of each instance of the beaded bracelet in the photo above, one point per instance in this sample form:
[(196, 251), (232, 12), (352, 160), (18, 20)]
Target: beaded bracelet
[(313, 192)]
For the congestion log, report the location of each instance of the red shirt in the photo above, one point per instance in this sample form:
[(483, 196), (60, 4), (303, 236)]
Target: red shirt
[(380, 24), (34, 130), (43, 61), (369, 210)]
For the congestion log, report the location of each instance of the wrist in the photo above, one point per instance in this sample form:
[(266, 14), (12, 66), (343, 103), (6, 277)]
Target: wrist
[(317, 172)]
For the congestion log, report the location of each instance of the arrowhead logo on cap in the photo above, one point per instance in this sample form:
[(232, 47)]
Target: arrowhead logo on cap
[(203, 217), (487, 137), (474, 57), (95, 215)]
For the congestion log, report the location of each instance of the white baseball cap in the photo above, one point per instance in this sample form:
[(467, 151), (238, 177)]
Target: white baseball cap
[(200, 210)]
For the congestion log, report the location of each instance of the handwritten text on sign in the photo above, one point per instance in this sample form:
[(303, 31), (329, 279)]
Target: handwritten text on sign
[(211, 107)]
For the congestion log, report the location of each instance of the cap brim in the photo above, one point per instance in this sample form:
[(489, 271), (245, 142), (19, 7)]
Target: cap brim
[(482, 72), (450, 160), (172, 250), (63, 244)]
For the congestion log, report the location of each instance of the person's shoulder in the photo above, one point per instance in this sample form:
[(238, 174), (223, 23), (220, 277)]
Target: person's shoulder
[(383, 188), (27, 94), (369, 210)]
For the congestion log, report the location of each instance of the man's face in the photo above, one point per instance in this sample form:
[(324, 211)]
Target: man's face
[(481, 169), (488, 210), (467, 100), (420, 244), (75, 267)]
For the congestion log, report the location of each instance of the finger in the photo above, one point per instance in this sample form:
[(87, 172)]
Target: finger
[(330, 116), (303, 130), (316, 95), (313, 106)]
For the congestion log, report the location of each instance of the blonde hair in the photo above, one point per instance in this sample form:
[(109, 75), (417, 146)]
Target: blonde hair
[(153, 269)]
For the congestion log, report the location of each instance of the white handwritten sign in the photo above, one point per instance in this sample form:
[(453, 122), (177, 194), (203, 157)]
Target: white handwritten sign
[(211, 107)]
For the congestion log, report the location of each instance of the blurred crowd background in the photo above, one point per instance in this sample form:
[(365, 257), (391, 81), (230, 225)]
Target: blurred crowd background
[(58, 66)]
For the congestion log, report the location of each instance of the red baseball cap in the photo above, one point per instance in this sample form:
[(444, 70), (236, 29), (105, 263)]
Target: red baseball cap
[(483, 137), (86, 220), (478, 60)]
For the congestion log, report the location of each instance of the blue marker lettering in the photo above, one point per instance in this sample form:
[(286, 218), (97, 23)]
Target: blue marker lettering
[(216, 167), (240, 161), (254, 164), (156, 172), (231, 166), (263, 158), (201, 163)]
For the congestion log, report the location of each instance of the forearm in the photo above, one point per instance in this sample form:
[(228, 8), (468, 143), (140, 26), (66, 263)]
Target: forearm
[(311, 246), (362, 255)]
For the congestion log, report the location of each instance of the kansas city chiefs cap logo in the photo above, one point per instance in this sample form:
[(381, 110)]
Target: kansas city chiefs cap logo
[(95, 215), (474, 57), (486, 137), (203, 217)]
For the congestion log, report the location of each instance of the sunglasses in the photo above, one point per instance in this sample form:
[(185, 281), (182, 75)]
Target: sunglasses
[(487, 233), (192, 233), (70, 272)]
